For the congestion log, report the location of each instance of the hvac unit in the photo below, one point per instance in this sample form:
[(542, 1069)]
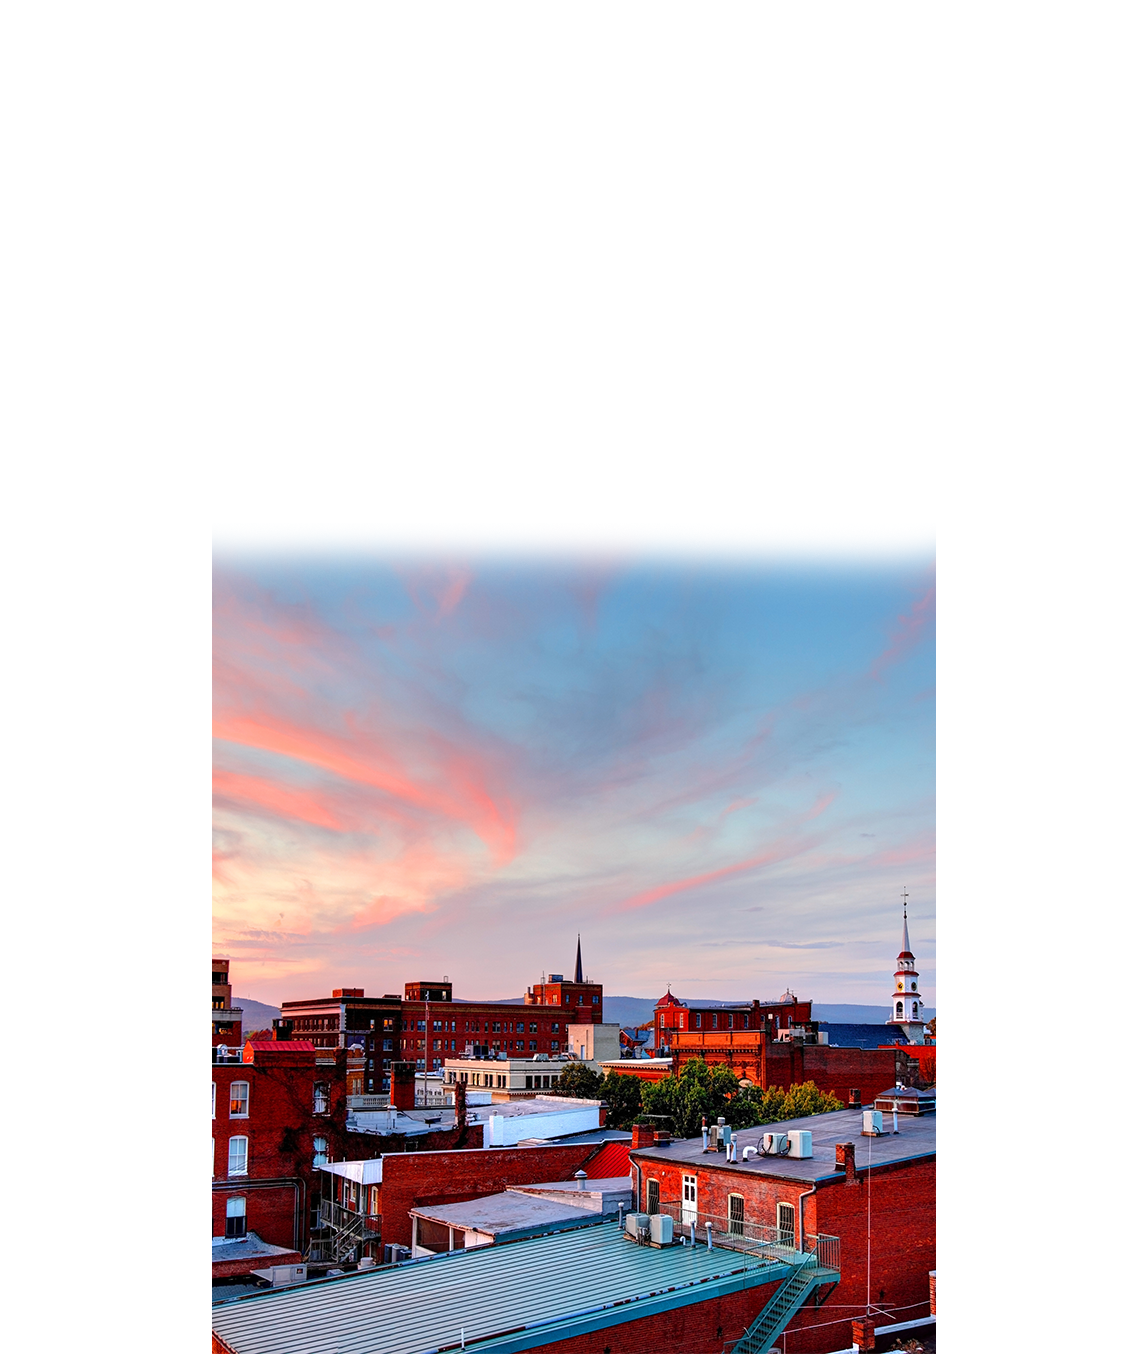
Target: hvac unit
[(284, 1274), (660, 1229), (800, 1143), (776, 1144), (872, 1123)]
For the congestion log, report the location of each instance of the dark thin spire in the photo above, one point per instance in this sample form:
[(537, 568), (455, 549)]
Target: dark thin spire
[(577, 975)]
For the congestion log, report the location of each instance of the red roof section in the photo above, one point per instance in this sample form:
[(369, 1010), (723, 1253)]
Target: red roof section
[(610, 1161), (668, 1000), (279, 1046)]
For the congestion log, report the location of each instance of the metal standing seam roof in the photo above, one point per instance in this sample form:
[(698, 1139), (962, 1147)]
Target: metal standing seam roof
[(507, 1298)]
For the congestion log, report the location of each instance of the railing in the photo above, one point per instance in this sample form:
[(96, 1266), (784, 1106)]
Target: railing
[(753, 1237), (348, 1222)]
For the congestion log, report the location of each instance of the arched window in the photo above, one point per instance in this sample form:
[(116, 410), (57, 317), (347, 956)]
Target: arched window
[(786, 1224), (899, 1008), (915, 1010)]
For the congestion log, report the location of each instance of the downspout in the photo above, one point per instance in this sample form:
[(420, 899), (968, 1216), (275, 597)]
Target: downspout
[(800, 1202)]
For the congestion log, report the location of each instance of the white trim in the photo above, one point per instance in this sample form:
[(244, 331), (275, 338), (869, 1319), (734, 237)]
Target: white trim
[(905, 1325)]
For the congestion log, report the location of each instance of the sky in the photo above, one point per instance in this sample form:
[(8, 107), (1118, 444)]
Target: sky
[(722, 776)]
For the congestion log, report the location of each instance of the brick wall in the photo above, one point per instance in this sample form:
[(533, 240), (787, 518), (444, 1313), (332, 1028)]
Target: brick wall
[(419, 1178), (702, 1328), (902, 1224)]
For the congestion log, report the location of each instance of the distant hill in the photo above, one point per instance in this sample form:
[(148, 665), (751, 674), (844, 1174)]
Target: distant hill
[(256, 1014), (622, 1011)]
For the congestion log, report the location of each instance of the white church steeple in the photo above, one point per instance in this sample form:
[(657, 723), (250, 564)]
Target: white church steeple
[(907, 1000)]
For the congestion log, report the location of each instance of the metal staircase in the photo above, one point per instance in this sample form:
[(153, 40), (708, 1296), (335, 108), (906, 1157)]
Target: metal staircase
[(782, 1305)]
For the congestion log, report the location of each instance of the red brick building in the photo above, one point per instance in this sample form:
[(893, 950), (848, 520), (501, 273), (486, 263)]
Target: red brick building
[(852, 1187), (672, 1015), (277, 1115), (226, 1018), (365, 1028)]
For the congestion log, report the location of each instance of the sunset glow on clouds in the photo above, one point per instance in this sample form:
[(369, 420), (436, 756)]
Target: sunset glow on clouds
[(721, 777)]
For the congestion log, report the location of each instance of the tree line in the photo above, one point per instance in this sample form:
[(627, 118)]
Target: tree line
[(679, 1103)]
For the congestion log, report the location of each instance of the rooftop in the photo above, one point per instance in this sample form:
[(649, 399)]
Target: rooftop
[(249, 1247), (916, 1138), (508, 1297), (507, 1215)]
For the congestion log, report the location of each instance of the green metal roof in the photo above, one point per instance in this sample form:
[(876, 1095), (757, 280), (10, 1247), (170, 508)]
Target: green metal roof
[(507, 1297)]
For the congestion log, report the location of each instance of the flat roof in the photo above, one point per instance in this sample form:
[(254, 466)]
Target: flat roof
[(916, 1138), (509, 1297), (249, 1247), (506, 1215)]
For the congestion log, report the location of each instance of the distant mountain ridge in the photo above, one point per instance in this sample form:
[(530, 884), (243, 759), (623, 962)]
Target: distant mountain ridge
[(257, 1015), (628, 1011)]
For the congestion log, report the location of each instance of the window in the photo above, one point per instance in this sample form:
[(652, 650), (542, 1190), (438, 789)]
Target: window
[(319, 1158), (556, 1027), (533, 1027), (437, 1025), (533, 1046), (236, 1217), (321, 1097), (736, 1214), (653, 1195), (553, 1043), (899, 1008), (786, 1224), (521, 1027), (597, 999), (521, 1045), (497, 1027), (237, 1156), (529, 1083), (913, 987), (240, 1097), (374, 1200)]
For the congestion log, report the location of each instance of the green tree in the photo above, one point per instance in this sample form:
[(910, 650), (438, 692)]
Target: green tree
[(622, 1094), (680, 1103), (579, 1081), (806, 1098)]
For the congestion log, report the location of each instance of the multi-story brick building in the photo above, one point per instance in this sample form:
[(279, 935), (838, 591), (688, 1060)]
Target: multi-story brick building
[(673, 1015), (875, 1194), (580, 1001), (278, 1113), (226, 1018), (365, 1028)]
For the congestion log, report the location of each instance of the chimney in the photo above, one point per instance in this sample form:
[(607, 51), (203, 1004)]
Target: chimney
[(459, 1104), (283, 1029), (863, 1333), (855, 1100), (402, 1086), (846, 1159), (642, 1135)]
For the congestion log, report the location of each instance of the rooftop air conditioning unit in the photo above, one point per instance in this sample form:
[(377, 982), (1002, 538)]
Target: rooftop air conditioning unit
[(800, 1143), (872, 1123), (660, 1229), (776, 1144), (284, 1274)]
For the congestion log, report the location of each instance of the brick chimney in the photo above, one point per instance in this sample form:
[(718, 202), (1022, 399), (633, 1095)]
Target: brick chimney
[(855, 1100), (402, 1086), (846, 1160), (459, 1104), (863, 1333), (642, 1135)]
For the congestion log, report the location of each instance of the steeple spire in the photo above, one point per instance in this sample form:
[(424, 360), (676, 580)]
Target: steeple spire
[(906, 947), (578, 977)]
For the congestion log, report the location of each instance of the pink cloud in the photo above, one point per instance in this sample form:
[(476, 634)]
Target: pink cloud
[(909, 630), (784, 849)]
